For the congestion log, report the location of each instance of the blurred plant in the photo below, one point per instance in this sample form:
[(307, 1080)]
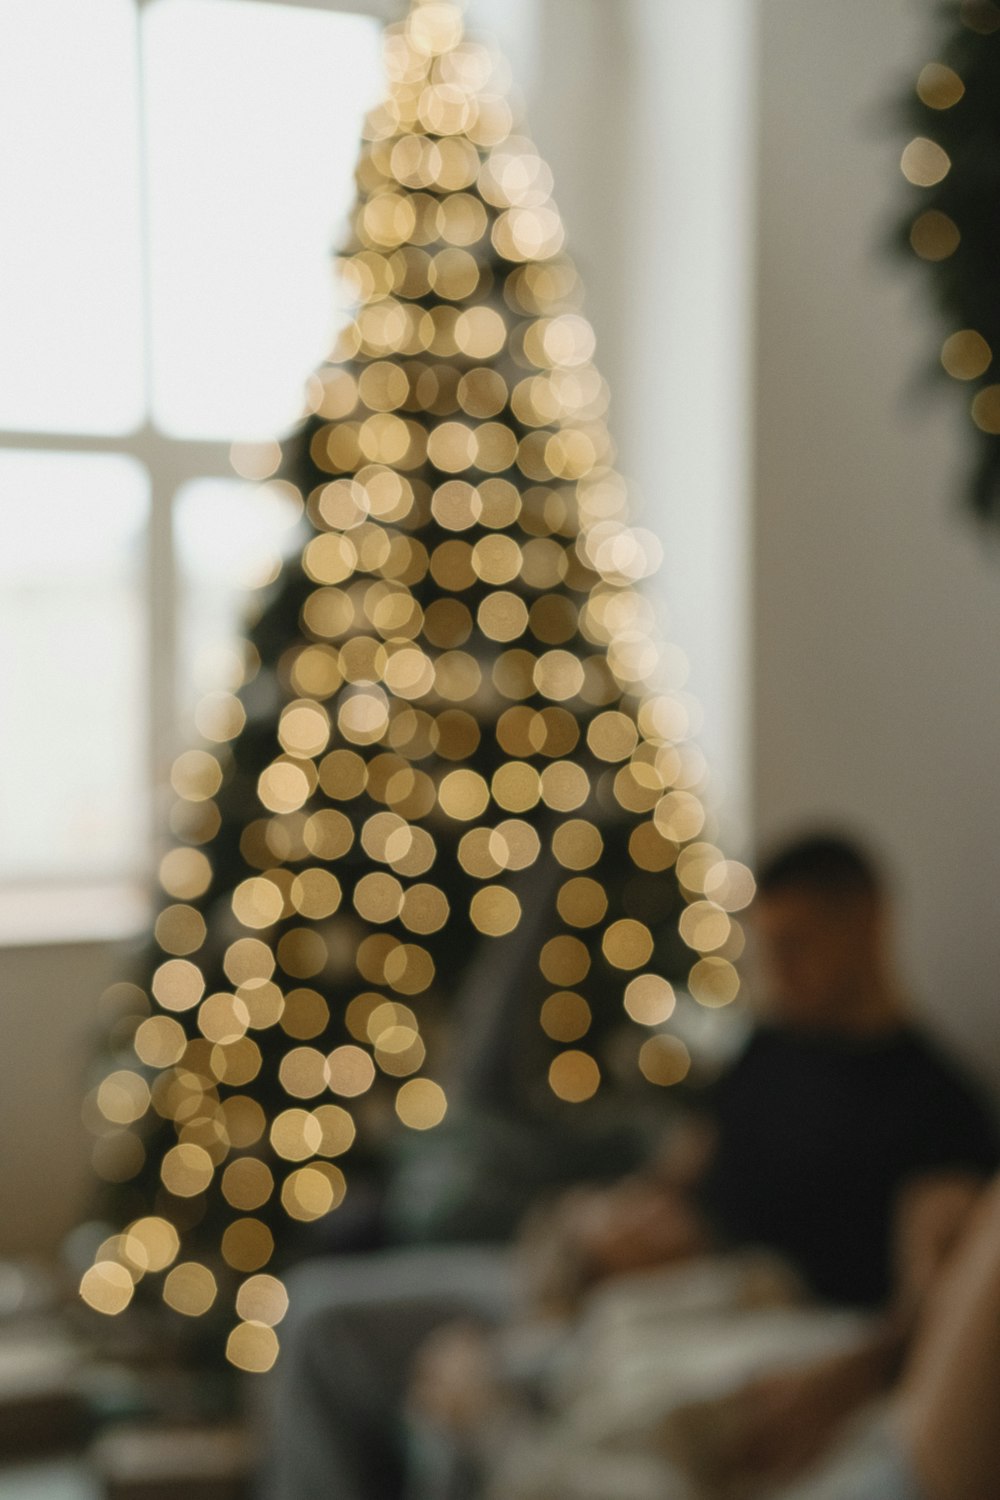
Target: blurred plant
[(953, 225)]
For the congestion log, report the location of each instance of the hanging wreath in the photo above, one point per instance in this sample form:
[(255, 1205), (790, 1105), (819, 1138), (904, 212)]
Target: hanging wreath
[(953, 165)]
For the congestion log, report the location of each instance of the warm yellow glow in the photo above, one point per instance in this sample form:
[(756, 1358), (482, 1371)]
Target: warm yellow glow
[(191, 1289), (574, 1076), (421, 1104)]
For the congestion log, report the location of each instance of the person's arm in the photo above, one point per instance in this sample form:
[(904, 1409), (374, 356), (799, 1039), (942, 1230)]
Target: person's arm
[(787, 1419)]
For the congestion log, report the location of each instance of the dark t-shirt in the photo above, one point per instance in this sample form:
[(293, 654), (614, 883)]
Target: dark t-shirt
[(817, 1134)]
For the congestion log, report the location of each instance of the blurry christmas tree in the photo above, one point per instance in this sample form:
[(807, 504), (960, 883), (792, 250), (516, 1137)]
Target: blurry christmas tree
[(449, 830)]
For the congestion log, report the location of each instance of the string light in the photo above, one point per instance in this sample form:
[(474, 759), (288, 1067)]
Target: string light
[(467, 690)]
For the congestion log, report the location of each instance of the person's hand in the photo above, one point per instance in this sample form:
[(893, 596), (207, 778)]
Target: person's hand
[(636, 1226), (784, 1422), (454, 1384)]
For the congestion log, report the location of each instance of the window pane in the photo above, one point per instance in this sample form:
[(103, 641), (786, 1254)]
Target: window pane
[(230, 537), (254, 113), (70, 308), (73, 670)]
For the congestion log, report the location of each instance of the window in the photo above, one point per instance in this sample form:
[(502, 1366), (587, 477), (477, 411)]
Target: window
[(182, 170)]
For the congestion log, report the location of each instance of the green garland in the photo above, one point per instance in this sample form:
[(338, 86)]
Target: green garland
[(953, 226)]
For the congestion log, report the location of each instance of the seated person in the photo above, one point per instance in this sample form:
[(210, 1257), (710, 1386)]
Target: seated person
[(836, 1104)]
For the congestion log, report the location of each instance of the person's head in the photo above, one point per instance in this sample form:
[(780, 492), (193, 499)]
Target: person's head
[(820, 916)]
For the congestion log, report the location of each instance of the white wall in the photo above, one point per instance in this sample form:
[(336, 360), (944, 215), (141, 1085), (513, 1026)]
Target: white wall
[(876, 602)]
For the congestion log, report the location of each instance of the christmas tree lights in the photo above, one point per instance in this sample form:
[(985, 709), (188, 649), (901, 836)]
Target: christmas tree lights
[(453, 731)]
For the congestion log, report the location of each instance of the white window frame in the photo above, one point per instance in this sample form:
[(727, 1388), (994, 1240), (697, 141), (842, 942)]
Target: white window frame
[(88, 910)]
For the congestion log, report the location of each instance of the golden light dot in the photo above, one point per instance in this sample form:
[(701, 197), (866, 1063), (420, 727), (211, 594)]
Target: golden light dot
[(302, 1072), (304, 729), (564, 960), (516, 786), (577, 844), (514, 844), (295, 1134), (409, 969), (938, 86), (513, 674), (457, 676), (245, 1121), (565, 1016), (315, 893), (480, 332), (186, 1170), (305, 1014), (364, 716), (219, 717), (714, 982), (223, 1018), (311, 1192), (650, 850), (924, 162), (463, 795), (986, 409), (730, 885), (236, 1063), (247, 1183), (495, 910), (456, 505), (627, 944), (482, 393), (316, 672), (934, 236), (502, 616), (424, 909), (351, 1071), (410, 851), (159, 1041), (123, 1097), (679, 816), (302, 952), (196, 775), (337, 1129), (704, 926), (107, 1287), (180, 930), (378, 897), (258, 902), (966, 355), (178, 984), (190, 1288), (582, 902), (342, 775), (421, 1104), (664, 1060), (649, 999), (559, 675), (564, 786), (496, 559), (151, 1243), (476, 854), (248, 958), (264, 1003), (185, 874), (262, 1299), (247, 1244), (612, 736), (283, 787), (574, 1076), (252, 1347)]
